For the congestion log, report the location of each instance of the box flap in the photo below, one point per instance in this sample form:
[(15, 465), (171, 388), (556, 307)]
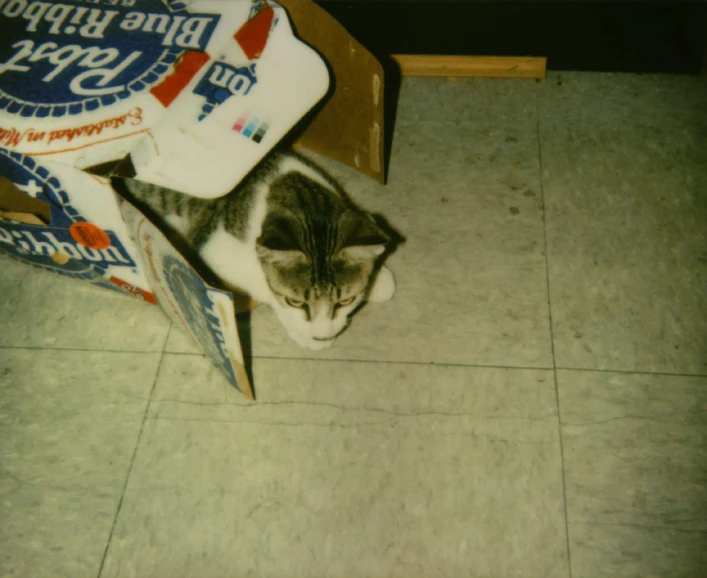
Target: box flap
[(350, 126), (237, 104), (205, 313)]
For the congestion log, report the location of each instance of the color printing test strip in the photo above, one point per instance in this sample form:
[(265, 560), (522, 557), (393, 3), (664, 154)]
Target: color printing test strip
[(253, 128), (250, 127)]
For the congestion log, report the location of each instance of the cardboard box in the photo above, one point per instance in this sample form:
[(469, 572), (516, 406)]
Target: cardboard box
[(169, 92)]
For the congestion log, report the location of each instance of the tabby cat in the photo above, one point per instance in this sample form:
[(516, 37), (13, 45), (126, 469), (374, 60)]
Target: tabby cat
[(289, 237)]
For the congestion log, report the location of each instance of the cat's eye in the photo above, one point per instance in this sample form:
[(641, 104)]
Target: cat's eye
[(294, 302), (345, 302)]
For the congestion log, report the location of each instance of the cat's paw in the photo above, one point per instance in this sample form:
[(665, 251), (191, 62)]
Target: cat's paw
[(383, 287)]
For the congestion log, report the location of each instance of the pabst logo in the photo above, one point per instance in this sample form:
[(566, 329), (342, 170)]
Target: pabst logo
[(60, 58)]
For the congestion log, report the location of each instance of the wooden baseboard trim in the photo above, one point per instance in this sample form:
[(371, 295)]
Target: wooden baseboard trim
[(468, 66)]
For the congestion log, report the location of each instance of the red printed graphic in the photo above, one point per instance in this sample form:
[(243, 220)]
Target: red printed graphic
[(253, 35), (170, 87)]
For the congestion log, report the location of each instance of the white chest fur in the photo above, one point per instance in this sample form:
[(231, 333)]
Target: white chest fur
[(236, 264), (235, 261)]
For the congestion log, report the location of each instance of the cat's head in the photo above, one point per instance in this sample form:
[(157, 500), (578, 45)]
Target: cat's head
[(319, 269)]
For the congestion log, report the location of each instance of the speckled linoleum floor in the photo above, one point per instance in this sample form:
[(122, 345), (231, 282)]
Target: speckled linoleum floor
[(533, 402)]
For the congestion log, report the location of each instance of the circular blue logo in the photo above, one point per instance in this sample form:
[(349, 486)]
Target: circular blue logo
[(189, 291), (196, 308), (66, 58)]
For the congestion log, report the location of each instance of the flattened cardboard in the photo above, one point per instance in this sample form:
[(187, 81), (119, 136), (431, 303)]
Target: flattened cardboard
[(43, 224), (242, 99), (350, 126), (77, 78), (25, 238), (207, 314)]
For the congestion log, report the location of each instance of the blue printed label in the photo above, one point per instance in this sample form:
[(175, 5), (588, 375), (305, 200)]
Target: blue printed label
[(60, 58), (221, 82), (198, 312), (197, 308), (203, 311), (38, 244), (37, 240), (74, 269), (38, 182)]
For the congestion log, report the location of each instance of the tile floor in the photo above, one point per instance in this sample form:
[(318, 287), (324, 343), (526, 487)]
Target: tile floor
[(533, 402)]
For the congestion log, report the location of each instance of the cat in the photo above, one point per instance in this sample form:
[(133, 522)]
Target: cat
[(288, 236)]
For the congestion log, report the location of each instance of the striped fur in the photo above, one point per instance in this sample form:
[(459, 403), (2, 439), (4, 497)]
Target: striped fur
[(288, 236)]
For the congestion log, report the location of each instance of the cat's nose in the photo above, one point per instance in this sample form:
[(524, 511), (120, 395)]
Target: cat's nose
[(322, 328)]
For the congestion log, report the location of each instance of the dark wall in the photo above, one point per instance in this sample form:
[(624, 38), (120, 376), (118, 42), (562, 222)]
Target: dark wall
[(628, 36)]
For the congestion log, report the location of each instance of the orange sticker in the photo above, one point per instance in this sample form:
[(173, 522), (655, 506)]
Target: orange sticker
[(89, 235)]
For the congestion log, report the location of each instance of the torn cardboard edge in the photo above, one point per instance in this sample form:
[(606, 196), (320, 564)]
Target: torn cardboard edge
[(18, 206)]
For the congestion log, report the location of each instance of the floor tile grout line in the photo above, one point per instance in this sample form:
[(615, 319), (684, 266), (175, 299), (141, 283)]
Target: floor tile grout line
[(552, 340), (81, 349), (378, 361), (169, 334), (382, 361), (631, 372), (132, 458), (451, 364)]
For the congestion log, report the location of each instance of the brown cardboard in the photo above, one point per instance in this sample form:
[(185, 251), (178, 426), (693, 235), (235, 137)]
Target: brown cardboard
[(350, 126), (16, 205)]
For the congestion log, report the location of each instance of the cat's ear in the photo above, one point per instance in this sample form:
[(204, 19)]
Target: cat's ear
[(364, 239)]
